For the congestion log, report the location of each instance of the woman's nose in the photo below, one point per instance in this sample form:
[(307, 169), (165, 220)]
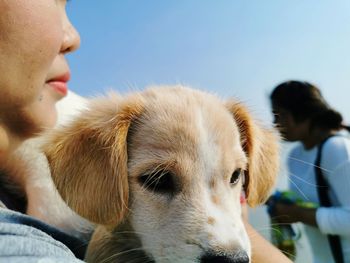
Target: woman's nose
[(71, 38)]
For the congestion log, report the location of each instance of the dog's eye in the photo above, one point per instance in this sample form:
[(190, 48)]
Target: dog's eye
[(236, 176), (160, 182)]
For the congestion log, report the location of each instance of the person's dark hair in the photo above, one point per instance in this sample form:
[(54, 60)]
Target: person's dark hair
[(305, 101)]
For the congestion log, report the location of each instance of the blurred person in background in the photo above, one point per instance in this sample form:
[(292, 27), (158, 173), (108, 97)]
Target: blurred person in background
[(318, 168)]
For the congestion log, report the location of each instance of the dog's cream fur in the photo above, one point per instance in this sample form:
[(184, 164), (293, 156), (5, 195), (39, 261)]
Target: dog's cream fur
[(154, 170)]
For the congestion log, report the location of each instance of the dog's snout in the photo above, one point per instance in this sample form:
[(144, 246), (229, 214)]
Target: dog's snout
[(239, 257)]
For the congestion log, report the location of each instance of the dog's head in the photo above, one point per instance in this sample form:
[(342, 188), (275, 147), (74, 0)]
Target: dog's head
[(173, 162)]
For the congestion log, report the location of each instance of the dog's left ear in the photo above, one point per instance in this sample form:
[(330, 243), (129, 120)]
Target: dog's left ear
[(88, 159), (261, 147)]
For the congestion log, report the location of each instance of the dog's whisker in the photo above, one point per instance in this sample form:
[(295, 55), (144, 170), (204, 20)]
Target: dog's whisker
[(123, 253), (287, 253), (276, 230), (142, 260), (152, 173), (137, 233), (278, 224), (308, 163), (300, 191), (144, 187), (302, 180)]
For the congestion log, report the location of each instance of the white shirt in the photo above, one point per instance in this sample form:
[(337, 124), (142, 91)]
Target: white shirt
[(335, 166)]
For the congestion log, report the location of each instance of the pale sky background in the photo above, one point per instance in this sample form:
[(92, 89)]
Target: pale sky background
[(240, 48)]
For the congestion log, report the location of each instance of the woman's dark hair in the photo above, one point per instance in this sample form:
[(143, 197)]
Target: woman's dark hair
[(305, 101)]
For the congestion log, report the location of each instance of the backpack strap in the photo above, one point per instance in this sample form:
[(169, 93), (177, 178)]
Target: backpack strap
[(322, 190)]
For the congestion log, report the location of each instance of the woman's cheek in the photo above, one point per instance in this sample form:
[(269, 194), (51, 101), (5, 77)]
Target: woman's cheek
[(30, 43)]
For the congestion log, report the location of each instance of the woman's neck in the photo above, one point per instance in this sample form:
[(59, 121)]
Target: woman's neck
[(8, 142), (315, 137)]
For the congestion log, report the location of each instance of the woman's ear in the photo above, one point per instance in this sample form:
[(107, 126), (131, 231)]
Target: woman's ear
[(262, 149), (88, 159)]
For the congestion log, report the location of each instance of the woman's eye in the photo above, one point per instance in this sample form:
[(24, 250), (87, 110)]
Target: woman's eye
[(161, 182), (236, 175)]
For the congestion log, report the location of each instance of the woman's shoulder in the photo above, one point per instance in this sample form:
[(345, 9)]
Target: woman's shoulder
[(25, 243), (338, 143), (336, 151), (42, 237)]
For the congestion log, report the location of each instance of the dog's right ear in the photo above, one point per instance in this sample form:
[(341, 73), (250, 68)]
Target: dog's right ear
[(262, 149), (88, 159)]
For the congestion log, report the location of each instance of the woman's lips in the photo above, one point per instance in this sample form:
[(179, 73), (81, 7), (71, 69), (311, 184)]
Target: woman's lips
[(59, 84), (59, 87)]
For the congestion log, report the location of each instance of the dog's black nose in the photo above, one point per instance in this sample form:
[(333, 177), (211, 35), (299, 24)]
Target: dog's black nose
[(239, 257)]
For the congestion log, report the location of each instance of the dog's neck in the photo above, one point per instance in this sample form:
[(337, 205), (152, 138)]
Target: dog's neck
[(118, 246)]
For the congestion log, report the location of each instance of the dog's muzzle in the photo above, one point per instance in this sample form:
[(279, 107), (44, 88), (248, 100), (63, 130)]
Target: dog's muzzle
[(239, 257)]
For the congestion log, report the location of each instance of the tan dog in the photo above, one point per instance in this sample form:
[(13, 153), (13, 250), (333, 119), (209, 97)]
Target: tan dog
[(162, 172)]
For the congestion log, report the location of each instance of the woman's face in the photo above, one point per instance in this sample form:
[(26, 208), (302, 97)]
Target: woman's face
[(34, 37), (290, 129)]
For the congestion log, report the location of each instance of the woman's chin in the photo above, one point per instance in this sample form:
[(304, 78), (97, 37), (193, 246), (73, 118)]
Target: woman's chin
[(36, 119)]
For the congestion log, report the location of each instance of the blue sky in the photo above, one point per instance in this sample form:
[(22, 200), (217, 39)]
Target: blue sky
[(240, 48)]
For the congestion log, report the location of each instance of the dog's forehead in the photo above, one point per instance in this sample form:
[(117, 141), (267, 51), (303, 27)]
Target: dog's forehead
[(186, 111), (185, 123)]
